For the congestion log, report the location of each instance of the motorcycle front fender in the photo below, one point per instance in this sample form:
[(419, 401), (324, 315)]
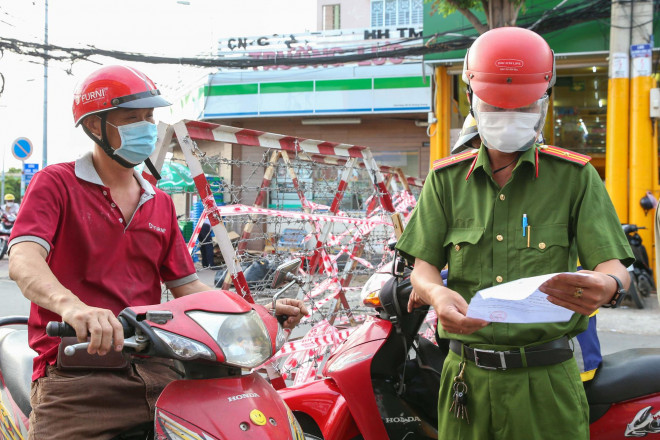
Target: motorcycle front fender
[(322, 402), (632, 418), (243, 407)]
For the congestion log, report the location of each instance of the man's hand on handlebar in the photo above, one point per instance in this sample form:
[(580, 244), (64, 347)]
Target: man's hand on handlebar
[(100, 325), (294, 309)]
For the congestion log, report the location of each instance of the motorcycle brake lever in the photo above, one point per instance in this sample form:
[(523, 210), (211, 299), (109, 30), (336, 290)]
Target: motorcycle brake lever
[(128, 343)]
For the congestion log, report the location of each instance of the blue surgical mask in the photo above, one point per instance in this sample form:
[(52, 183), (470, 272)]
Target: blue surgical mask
[(138, 141)]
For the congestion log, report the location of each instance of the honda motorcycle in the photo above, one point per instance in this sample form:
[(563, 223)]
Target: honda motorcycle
[(215, 338), (641, 274), (373, 388), (6, 225)]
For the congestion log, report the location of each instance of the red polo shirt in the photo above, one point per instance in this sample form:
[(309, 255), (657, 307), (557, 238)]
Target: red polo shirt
[(93, 252)]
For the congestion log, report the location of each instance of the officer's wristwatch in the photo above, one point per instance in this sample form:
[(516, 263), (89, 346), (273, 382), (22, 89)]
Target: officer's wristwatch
[(618, 295)]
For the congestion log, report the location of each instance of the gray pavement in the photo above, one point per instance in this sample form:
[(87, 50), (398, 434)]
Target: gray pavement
[(618, 329)]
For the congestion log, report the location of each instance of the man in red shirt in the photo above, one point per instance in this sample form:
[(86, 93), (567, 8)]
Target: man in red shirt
[(94, 237)]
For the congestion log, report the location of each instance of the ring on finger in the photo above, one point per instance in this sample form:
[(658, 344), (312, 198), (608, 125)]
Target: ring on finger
[(578, 292)]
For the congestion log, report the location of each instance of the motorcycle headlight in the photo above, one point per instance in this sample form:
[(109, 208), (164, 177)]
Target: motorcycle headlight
[(243, 338), (185, 348)]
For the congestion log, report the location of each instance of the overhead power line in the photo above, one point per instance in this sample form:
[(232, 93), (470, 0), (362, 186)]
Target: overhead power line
[(559, 18)]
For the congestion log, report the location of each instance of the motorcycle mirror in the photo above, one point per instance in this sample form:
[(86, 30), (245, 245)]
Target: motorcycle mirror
[(288, 267)]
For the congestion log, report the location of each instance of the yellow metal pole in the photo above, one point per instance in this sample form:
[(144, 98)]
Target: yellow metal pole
[(439, 131), (642, 175), (549, 127), (618, 98)]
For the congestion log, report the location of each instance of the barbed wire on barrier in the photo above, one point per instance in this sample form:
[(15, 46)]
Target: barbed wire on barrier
[(340, 231)]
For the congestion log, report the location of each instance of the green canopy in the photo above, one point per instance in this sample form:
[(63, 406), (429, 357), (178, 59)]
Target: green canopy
[(175, 178)]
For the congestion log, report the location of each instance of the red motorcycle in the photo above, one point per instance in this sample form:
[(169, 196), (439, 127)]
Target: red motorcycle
[(213, 337), (373, 388)]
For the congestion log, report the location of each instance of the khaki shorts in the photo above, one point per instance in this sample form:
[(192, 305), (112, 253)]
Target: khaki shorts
[(97, 404)]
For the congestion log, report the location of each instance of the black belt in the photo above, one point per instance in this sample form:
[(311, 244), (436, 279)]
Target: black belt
[(550, 353)]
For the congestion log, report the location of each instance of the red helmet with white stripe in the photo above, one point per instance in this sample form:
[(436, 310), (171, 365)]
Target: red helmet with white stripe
[(509, 67), (114, 87)]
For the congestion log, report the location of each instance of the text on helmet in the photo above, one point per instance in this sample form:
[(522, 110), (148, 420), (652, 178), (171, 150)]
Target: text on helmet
[(94, 95)]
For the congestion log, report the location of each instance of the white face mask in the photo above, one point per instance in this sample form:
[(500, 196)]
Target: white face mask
[(508, 132)]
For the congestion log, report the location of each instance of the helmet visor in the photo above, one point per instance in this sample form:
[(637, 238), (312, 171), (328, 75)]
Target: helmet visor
[(148, 99), (539, 106)]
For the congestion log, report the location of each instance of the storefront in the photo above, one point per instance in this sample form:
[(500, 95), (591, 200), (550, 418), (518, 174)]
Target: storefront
[(577, 119)]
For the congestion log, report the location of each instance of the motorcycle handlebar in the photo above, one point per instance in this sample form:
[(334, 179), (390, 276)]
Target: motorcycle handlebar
[(59, 329), (62, 329), (629, 228)]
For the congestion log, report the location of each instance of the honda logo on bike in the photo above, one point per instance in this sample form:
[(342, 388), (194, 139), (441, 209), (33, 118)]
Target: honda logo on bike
[(402, 419), (242, 396)]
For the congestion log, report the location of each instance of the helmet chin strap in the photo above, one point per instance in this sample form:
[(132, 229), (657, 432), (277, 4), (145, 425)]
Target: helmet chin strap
[(105, 145)]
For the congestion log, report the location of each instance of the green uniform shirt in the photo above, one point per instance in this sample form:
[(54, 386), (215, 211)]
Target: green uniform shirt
[(464, 219)]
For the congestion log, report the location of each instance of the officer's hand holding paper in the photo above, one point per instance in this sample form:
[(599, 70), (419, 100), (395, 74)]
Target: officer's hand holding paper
[(517, 302)]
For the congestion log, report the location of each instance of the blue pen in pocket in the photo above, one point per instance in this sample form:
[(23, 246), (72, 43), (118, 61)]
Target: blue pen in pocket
[(524, 223)]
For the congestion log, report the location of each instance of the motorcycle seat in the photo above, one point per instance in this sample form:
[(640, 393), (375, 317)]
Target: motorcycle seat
[(430, 357), (16, 366), (625, 375)]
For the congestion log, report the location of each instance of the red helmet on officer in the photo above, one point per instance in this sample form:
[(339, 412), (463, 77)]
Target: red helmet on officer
[(509, 72), (115, 87), (509, 67)]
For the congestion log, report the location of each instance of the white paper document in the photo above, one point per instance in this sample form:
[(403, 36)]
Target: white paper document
[(518, 302)]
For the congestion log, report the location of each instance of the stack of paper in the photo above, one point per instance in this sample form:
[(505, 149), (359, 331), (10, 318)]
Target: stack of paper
[(517, 302)]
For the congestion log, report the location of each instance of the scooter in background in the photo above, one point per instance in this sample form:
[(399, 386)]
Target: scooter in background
[(374, 388), (641, 274), (6, 225), (213, 337)]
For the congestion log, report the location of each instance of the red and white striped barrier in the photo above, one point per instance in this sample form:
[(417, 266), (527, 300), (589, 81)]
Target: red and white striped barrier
[(228, 210), (190, 150)]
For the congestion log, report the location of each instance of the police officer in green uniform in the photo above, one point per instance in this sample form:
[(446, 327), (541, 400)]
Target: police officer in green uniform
[(501, 380)]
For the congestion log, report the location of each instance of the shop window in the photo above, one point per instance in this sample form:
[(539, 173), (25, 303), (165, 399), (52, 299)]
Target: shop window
[(377, 13), (319, 185), (406, 159), (577, 116), (580, 112), (331, 17), (396, 12)]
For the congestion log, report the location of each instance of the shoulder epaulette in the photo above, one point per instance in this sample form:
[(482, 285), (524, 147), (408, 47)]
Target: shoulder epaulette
[(456, 158), (562, 153)]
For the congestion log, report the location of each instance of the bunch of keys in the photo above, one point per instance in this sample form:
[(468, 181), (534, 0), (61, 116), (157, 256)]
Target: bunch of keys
[(459, 405)]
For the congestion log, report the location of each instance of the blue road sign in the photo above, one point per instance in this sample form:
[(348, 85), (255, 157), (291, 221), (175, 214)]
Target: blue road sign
[(29, 170), (640, 50), (22, 148)]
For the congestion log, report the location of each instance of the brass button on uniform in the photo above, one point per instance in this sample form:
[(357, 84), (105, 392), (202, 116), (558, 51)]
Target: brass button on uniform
[(541, 245), (457, 247), (499, 279), (502, 197), (499, 237)]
